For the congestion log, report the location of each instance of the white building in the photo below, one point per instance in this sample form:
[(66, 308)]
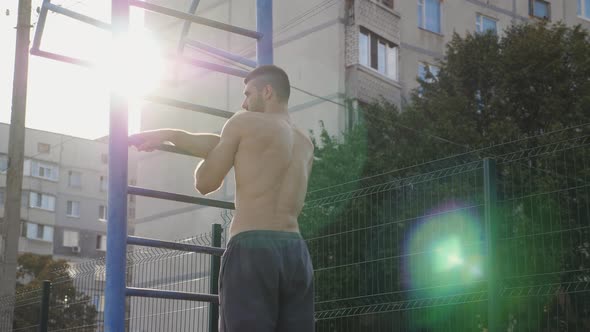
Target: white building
[(64, 200)]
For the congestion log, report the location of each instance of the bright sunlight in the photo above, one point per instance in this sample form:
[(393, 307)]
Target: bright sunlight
[(132, 65), (74, 100)]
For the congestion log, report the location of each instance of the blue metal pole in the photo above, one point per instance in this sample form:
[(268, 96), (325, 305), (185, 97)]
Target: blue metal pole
[(264, 49), (115, 291)]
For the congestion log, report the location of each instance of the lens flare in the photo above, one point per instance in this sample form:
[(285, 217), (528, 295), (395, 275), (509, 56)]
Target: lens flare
[(132, 65), (444, 255)]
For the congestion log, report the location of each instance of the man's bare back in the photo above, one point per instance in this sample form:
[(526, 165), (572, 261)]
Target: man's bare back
[(272, 161), (272, 166)]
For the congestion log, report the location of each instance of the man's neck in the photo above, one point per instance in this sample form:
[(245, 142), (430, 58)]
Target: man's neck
[(277, 109)]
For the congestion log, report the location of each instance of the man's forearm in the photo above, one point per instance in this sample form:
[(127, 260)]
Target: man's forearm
[(203, 184), (198, 145)]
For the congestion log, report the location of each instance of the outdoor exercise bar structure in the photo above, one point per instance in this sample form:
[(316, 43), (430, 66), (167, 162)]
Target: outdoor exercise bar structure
[(117, 237)]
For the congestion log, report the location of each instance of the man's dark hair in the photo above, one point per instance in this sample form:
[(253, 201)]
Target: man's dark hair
[(273, 76)]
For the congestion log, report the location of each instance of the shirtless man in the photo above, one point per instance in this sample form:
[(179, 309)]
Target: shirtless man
[(266, 277)]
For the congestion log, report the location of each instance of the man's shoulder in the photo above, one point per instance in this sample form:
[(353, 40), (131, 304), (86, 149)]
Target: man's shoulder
[(244, 119), (240, 122), (306, 137)]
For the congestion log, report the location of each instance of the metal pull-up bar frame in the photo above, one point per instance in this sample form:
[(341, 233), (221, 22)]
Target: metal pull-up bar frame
[(117, 237)]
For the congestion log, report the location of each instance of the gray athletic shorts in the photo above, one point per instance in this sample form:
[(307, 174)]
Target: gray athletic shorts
[(266, 283)]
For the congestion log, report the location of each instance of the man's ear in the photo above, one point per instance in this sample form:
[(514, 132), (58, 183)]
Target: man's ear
[(267, 92)]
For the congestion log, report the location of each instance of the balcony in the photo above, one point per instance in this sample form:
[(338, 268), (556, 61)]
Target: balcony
[(368, 85), (372, 41), (374, 16)]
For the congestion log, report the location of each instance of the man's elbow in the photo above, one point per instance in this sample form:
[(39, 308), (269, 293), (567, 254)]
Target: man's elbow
[(205, 188)]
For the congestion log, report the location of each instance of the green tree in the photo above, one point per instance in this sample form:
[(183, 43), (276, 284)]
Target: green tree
[(69, 308), (531, 81)]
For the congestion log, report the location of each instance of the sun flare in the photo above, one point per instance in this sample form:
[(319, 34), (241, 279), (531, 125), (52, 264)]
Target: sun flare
[(131, 65)]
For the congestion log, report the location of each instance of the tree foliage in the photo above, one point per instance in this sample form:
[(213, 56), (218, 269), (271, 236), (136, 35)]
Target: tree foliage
[(69, 308), (516, 88)]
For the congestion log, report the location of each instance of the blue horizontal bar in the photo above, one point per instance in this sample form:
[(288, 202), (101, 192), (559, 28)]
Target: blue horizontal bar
[(220, 52), (77, 16), (59, 57), (213, 66), (180, 198), (186, 26), (189, 106), (162, 294), (147, 242), (195, 19)]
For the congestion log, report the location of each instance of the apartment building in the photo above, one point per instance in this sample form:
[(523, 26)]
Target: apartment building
[(333, 50), (64, 199)]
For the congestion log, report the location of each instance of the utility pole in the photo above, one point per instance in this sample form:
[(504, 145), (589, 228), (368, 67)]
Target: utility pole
[(16, 146)]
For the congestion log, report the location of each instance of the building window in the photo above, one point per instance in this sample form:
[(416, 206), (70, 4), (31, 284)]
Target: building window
[(429, 15), (3, 163), (484, 24), (583, 9), (104, 183), (378, 53), (364, 48), (428, 72), (74, 179), (41, 201), (540, 9), (73, 209), (386, 3), (1, 198), (102, 213), (43, 148), (38, 232), (24, 199), (41, 170), (71, 239), (101, 242)]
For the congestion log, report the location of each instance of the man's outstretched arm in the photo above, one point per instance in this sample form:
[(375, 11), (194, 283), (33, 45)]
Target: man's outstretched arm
[(210, 172), (199, 145)]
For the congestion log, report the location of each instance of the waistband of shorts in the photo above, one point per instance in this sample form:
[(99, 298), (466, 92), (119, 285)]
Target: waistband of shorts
[(266, 234)]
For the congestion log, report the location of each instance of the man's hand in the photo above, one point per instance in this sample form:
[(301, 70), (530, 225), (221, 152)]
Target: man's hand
[(147, 141)]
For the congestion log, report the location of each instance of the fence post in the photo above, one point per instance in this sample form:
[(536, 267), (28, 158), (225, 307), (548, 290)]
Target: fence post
[(491, 227), (44, 312), (214, 280)]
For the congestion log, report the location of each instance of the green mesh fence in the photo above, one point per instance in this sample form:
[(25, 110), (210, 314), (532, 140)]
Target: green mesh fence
[(409, 251)]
